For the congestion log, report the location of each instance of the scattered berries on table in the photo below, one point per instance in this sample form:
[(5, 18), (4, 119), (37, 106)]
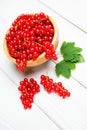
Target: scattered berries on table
[(51, 86), (29, 36), (28, 89)]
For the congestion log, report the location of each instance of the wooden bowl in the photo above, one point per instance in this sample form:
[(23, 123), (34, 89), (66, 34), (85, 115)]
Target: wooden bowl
[(40, 59)]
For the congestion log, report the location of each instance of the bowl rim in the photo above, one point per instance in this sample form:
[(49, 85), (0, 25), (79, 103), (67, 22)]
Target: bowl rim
[(41, 58)]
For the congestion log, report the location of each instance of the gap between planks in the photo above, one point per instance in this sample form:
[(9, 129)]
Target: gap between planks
[(84, 85), (60, 15), (49, 117)]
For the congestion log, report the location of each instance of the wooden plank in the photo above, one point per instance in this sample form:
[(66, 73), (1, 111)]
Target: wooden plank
[(12, 113), (69, 113), (73, 11), (67, 32), (58, 110)]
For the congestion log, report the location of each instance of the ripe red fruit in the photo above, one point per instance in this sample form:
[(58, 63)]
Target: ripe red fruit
[(28, 89), (51, 86), (30, 36)]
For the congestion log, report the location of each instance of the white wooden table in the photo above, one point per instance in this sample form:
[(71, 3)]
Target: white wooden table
[(49, 112)]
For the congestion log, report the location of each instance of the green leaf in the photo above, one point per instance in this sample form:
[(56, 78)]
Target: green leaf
[(64, 45), (64, 68), (71, 56), (69, 50), (78, 58)]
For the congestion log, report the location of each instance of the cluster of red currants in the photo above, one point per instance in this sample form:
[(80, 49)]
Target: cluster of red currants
[(28, 89), (29, 36), (51, 86)]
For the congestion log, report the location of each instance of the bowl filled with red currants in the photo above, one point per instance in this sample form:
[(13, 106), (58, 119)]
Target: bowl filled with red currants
[(31, 40)]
